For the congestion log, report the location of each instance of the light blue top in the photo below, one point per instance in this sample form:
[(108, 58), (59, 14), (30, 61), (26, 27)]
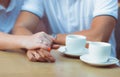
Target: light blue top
[(9, 15)]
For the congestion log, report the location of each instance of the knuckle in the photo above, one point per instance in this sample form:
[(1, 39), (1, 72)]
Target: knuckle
[(42, 32)]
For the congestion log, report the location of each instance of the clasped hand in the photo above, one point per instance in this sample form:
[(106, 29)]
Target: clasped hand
[(38, 47)]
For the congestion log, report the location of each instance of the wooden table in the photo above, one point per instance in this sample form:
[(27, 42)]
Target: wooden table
[(14, 64)]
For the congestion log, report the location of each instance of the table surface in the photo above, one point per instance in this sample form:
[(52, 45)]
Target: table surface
[(16, 64)]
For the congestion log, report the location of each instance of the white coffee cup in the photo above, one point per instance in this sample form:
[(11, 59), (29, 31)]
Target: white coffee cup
[(75, 43), (99, 52)]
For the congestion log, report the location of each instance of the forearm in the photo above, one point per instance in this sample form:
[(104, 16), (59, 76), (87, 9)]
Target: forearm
[(20, 30), (101, 29), (91, 36), (26, 23), (11, 41)]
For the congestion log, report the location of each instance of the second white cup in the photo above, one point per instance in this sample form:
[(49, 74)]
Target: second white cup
[(99, 51)]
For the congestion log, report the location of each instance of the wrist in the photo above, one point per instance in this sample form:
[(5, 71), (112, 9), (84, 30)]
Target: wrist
[(17, 42), (23, 42), (55, 37), (60, 39)]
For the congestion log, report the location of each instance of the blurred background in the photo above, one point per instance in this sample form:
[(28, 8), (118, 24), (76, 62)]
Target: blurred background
[(117, 32)]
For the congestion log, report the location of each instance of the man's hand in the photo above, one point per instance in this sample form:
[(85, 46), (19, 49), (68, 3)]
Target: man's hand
[(55, 46), (40, 55)]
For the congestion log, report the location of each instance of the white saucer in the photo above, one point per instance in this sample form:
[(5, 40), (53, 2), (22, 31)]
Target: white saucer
[(112, 60), (62, 49)]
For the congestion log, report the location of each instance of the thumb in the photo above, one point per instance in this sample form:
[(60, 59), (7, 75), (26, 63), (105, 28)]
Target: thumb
[(55, 46)]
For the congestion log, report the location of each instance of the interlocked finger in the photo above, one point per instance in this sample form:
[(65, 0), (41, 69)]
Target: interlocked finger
[(38, 57)]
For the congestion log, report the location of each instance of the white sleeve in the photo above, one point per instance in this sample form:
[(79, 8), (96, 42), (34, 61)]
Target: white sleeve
[(106, 7), (34, 6)]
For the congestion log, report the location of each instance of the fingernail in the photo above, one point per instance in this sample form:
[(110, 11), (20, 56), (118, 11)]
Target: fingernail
[(49, 49)]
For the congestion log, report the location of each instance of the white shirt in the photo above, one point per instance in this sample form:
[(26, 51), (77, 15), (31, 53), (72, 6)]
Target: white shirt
[(9, 15), (66, 16)]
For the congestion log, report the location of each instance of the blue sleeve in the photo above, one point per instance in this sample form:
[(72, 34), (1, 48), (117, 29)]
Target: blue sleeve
[(34, 6), (106, 7)]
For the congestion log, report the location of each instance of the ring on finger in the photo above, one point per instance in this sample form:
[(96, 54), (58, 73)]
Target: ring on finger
[(41, 41)]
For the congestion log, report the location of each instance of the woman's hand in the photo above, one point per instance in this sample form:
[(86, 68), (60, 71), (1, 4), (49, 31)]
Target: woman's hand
[(38, 41)]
